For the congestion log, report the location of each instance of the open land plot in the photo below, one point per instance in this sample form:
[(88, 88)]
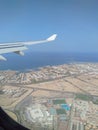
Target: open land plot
[(7, 100), (84, 86), (56, 85), (11, 114), (45, 94), (94, 82), (89, 79), (66, 86)]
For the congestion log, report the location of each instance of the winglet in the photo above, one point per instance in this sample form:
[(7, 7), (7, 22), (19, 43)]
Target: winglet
[(51, 38), (2, 58)]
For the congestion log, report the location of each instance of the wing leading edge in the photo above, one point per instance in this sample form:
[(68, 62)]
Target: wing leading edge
[(18, 47)]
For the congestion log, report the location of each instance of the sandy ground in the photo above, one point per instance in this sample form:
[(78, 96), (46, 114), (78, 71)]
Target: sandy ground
[(6, 101), (11, 114), (79, 84)]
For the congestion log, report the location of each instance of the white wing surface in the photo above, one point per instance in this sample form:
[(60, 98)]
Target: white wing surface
[(18, 47)]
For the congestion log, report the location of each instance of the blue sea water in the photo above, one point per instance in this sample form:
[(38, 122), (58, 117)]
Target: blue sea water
[(34, 60)]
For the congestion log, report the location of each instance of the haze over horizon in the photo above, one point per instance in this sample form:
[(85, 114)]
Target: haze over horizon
[(75, 22)]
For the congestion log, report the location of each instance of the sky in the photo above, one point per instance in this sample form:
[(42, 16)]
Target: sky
[(75, 22)]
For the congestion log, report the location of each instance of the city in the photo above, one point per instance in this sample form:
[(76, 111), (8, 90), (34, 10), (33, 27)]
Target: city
[(53, 97)]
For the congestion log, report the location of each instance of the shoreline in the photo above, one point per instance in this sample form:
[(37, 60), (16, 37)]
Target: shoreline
[(41, 67)]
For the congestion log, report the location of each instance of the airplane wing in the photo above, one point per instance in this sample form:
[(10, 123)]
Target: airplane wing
[(18, 47)]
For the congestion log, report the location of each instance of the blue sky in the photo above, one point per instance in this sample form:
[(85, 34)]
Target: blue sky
[(75, 22)]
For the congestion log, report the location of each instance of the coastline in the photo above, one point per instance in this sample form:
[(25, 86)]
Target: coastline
[(36, 60)]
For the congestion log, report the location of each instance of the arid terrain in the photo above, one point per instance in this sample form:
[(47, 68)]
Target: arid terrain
[(21, 89)]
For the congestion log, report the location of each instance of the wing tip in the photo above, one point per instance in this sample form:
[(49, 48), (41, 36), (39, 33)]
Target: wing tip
[(3, 58), (52, 38)]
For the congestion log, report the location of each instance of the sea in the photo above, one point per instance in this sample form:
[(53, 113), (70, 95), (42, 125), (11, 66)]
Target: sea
[(35, 60)]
